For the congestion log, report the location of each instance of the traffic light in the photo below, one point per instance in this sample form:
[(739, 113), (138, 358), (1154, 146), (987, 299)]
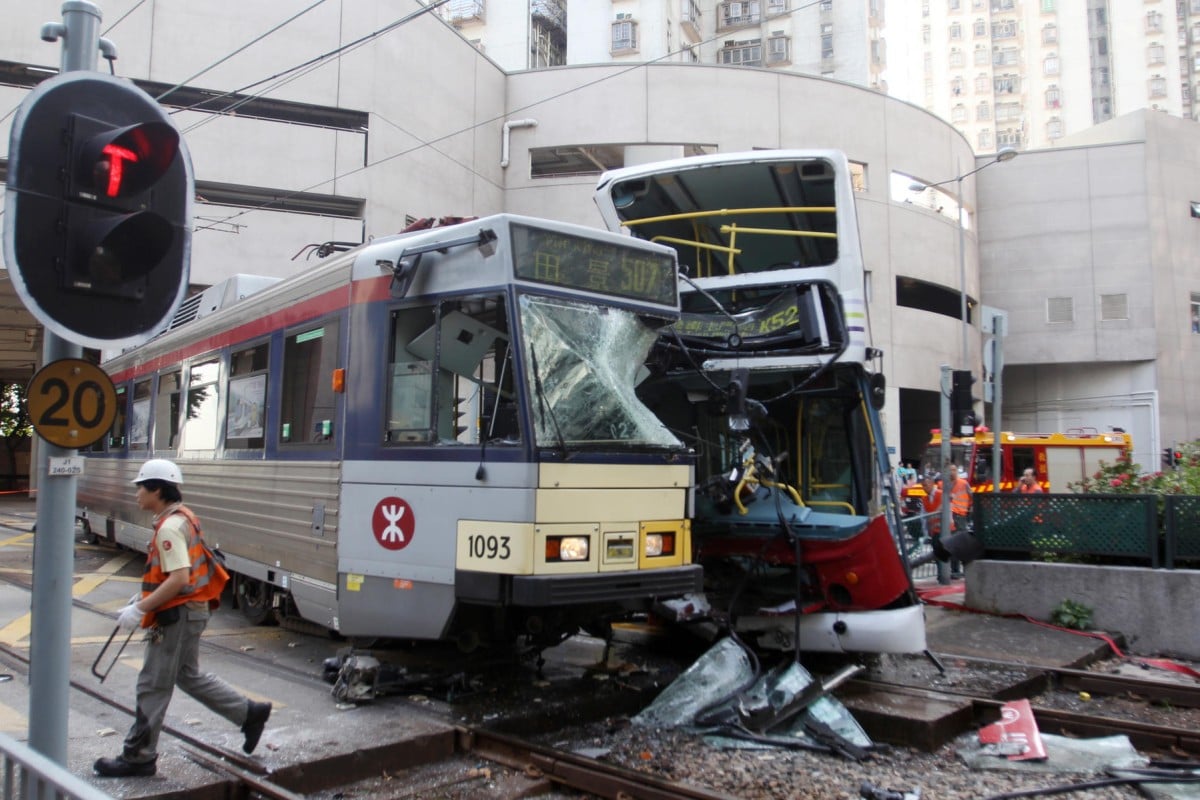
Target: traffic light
[(97, 231), (1171, 457), (961, 402)]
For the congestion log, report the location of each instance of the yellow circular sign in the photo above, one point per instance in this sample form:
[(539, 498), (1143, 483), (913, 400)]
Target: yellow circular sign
[(72, 403)]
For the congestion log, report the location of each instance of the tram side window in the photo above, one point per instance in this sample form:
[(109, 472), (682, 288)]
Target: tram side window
[(200, 420), (246, 413), (139, 425), (116, 434), (452, 379), (166, 411), (309, 358)]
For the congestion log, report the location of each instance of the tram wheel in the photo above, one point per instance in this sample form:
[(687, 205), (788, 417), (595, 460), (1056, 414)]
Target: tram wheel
[(254, 599)]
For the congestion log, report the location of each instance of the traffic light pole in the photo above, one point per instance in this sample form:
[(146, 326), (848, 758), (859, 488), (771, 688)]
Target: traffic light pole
[(947, 484), (54, 542)]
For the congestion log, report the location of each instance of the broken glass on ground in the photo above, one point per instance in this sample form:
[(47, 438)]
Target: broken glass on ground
[(1062, 755), (719, 692)]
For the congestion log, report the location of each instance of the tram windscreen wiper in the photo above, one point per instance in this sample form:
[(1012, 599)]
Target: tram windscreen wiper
[(545, 410)]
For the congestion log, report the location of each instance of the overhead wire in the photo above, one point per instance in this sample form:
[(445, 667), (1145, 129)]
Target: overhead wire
[(458, 132)]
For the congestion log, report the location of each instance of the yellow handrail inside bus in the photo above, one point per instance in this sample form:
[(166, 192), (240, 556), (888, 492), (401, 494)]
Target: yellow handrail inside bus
[(777, 232), (717, 212), (751, 476), (848, 507)]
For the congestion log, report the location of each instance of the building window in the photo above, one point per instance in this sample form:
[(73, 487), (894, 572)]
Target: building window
[(827, 5), (1008, 136), (1006, 84), (1003, 5), (1004, 29), (1060, 310), (956, 58), (779, 6), (1154, 22), (983, 112), (779, 50), (1054, 128), (1048, 6), (1114, 307), (953, 5), (1158, 86), (858, 176), (1053, 97), (1007, 111), (982, 56), (985, 139), (979, 28), (1007, 56), (925, 34), (956, 30), (1050, 34), (958, 113), (744, 54), (982, 84), (624, 36), (1156, 54), (956, 86), (827, 41), (1050, 65), (1195, 312), (740, 13)]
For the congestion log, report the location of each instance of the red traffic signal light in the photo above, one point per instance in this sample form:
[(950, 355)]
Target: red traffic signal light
[(99, 198)]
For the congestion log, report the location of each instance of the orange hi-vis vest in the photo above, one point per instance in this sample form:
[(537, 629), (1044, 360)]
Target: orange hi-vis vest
[(206, 578), (932, 503), (960, 498)]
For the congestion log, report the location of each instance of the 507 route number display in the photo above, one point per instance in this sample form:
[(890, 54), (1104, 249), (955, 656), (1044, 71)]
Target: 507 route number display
[(72, 403)]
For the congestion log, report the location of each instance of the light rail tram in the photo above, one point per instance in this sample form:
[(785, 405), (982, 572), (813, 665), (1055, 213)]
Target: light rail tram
[(432, 436), (770, 375)]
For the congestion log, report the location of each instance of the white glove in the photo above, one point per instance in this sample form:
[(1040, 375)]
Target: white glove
[(129, 617)]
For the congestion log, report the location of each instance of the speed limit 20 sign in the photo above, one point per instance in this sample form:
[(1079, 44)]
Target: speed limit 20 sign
[(72, 403)]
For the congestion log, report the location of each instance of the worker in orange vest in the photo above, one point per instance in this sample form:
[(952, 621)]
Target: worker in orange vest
[(960, 511), (932, 505)]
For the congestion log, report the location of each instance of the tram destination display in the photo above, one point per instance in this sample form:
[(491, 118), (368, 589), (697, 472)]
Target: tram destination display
[(563, 259)]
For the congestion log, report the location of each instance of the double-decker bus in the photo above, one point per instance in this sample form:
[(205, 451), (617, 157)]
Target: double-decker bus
[(769, 374), (435, 435)]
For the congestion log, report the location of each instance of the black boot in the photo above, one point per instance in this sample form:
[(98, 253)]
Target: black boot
[(256, 719), (120, 768)]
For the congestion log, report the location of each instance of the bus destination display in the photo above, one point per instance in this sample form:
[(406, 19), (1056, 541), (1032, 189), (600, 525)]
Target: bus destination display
[(576, 262)]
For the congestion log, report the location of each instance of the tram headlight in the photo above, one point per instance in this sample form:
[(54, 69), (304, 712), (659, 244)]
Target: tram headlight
[(660, 544), (567, 548)]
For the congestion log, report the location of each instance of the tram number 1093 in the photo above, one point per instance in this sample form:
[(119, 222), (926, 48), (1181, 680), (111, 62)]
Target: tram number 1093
[(480, 546)]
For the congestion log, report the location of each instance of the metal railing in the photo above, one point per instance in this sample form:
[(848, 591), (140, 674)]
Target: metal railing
[(1140, 529), (29, 775)]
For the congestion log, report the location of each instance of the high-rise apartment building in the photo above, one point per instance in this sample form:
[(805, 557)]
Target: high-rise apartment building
[(839, 39), (1026, 73)]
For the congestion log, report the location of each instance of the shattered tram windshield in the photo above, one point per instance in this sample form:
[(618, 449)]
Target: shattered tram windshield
[(582, 361)]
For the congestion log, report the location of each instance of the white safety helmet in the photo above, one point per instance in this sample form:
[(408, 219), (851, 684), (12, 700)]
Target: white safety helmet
[(159, 469)]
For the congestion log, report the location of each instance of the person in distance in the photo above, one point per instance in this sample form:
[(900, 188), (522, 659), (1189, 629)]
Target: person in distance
[(181, 584)]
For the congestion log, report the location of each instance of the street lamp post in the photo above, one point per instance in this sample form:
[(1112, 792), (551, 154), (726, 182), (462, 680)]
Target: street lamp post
[(1004, 154)]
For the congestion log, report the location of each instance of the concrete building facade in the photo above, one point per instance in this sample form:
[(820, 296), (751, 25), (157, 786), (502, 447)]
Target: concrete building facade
[(1029, 73), (410, 120)]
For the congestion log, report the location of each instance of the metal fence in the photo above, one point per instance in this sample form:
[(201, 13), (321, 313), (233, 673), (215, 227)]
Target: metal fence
[(29, 775), (1140, 530)]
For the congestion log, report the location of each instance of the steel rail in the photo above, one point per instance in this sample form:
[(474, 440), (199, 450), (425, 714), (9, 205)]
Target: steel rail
[(576, 771)]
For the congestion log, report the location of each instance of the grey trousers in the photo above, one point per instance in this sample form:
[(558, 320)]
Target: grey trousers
[(174, 660)]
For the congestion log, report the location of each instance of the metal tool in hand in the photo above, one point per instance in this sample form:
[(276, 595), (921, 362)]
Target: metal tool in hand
[(96, 664)]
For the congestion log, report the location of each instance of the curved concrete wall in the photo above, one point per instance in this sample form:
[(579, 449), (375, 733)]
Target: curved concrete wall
[(732, 109)]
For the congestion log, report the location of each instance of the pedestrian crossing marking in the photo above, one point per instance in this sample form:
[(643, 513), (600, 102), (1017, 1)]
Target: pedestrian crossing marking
[(19, 629), (23, 539)]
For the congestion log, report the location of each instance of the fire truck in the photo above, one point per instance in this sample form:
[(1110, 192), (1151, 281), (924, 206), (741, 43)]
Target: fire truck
[(1057, 458)]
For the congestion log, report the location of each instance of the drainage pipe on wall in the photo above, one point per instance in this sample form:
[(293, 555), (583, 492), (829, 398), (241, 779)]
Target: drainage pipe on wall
[(507, 135)]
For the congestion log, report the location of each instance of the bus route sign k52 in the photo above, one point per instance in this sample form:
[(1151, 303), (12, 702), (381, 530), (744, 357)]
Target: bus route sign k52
[(72, 403)]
